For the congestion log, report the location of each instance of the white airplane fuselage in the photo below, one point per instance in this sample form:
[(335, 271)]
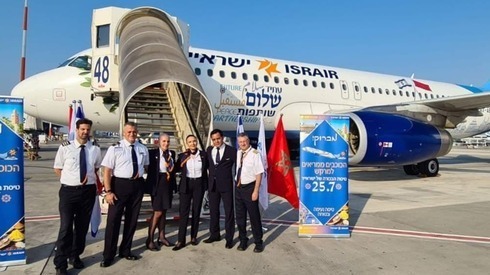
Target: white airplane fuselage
[(250, 86)]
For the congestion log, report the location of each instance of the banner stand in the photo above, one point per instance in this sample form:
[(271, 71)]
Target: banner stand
[(12, 229), (324, 176)]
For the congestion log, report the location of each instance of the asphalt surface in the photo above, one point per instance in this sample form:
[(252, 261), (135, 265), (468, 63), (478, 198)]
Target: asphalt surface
[(400, 225)]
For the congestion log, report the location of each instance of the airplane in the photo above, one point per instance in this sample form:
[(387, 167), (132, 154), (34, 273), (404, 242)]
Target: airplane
[(395, 120)]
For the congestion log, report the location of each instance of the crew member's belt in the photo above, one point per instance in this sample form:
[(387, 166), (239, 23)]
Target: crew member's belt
[(76, 186)]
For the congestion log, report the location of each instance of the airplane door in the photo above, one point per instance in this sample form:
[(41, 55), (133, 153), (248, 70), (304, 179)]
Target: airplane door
[(357, 90), (344, 89)]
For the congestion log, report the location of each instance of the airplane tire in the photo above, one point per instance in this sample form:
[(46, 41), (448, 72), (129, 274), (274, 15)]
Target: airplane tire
[(411, 170), (430, 167)]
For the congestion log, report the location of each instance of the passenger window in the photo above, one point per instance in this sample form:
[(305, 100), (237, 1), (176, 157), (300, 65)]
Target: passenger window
[(222, 74), (373, 90), (323, 85), (276, 79), (266, 78), (295, 81), (233, 75), (332, 86), (244, 76), (387, 92), (313, 83), (286, 81), (197, 71), (380, 91), (256, 77), (305, 83)]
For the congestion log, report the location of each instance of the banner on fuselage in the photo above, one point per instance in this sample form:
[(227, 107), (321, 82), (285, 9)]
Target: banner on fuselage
[(12, 239), (324, 177)]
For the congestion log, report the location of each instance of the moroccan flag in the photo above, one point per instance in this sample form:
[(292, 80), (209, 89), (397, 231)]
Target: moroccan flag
[(281, 175), (422, 85)]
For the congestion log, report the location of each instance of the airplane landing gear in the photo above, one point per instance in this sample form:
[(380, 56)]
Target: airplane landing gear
[(429, 168), (411, 170)]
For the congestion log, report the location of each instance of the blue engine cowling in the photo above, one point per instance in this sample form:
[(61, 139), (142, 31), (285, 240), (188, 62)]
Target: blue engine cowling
[(383, 139)]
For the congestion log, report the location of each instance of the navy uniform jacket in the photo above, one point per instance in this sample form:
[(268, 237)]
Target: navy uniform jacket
[(221, 175), (154, 170), (183, 188)]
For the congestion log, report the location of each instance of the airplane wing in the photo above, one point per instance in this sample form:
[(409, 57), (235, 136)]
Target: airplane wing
[(444, 112)]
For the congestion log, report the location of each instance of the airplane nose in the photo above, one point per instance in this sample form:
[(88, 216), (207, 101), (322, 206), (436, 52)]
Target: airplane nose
[(28, 88)]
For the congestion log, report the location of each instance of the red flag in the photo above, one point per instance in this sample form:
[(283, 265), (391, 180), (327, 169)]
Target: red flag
[(70, 114), (281, 173), (422, 85)]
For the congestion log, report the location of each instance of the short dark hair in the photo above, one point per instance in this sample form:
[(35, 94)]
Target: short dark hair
[(130, 123), (84, 121), (191, 135), (217, 131)]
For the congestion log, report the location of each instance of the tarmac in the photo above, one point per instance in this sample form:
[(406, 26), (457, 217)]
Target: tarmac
[(400, 225)]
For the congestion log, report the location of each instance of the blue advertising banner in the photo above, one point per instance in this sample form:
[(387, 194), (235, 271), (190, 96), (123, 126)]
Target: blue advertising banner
[(12, 240), (324, 177)]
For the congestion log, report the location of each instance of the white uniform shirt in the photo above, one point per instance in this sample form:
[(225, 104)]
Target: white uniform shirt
[(194, 166), (118, 158), (163, 161), (251, 166), (68, 160)]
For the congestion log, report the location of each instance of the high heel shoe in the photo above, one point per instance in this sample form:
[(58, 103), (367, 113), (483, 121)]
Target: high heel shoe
[(165, 242), (151, 245)]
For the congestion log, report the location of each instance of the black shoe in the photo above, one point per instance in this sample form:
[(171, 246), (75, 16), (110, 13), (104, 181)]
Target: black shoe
[(212, 240), (130, 257), (258, 248), (76, 262), (178, 246), (106, 263), (61, 271), (151, 245), (242, 246), (229, 245), (165, 242), (194, 241)]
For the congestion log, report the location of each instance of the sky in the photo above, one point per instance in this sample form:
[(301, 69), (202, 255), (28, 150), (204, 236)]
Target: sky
[(446, 41)]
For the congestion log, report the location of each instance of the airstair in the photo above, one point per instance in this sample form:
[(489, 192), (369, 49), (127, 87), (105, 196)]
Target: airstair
[(149, 72), (140, 59)]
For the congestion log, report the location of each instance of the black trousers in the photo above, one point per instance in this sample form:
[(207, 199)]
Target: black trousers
[(244, 204), (193, 197), (75, 206), (214, 201), (129, 194)]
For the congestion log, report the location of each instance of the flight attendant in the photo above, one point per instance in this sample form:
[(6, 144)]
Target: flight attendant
[(161, 179), (193, 165)]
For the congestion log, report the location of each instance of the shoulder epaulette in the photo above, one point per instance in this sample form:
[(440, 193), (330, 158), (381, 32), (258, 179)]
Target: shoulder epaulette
[(255, 151), (65, 143), (95, 143), (116, 144)]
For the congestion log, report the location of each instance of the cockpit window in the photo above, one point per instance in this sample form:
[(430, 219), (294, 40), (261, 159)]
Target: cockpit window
[(66, 62), (82, 62)]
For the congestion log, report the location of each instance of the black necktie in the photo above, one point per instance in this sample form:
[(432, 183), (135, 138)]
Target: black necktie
[(239, 173), (83, 164), (218, 158), (134, 158)]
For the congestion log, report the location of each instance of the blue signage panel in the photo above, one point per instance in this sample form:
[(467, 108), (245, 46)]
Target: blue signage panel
[(12, 240), (324, 193)]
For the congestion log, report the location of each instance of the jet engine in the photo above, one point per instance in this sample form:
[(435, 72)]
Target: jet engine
[(385, 139)]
